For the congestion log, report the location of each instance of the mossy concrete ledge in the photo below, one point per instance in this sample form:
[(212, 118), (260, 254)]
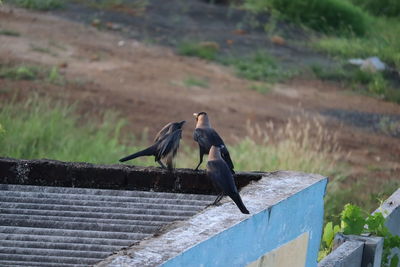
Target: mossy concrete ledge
[(283, 229), (117, 176)]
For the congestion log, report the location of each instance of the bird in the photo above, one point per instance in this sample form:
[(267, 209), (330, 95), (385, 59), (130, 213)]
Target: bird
[(222, 178), (206, 136), (165, 145)]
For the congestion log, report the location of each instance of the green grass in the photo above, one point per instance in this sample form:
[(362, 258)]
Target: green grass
[(205, 50), (9, 33), (260, 67), (26, 72), (382, 41), (329, 16), (19, 72), (42, 5), (390, 8), (39, 128), (374, 84), (196, 82), (42, 128)]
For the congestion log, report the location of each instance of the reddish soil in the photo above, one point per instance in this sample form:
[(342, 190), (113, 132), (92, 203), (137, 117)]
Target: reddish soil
[(146, 85)]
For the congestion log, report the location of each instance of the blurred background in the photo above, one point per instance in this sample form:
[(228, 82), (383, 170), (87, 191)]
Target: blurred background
[(303, 85)]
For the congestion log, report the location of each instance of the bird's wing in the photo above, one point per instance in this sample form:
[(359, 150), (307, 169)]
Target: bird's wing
[(169, 143), (220, 174), (207, 137), (162, 132)]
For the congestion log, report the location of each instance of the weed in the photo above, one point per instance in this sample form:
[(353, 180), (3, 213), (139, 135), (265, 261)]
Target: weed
[(55, 76), (202, 50), (9, 33), (31, 73), (19, 73), (354, 221), (261, 67), (38, 4), (195, 82)]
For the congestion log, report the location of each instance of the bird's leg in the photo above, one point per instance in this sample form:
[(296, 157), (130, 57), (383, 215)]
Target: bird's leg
[(218, 199), (161, 164), (201, 160)]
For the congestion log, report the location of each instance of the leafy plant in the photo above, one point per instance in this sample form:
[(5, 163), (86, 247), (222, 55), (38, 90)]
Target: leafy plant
[(355, 221), (328, 235)]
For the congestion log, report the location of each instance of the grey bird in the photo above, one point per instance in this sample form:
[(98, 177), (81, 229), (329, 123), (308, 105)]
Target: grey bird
[(206, 137), (165, 147), (222, 178)]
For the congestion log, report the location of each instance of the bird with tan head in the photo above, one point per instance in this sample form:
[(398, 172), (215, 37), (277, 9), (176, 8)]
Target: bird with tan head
[(206, 137)]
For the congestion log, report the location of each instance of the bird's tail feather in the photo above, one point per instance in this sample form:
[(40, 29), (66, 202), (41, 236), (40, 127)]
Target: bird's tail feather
[(145, 152), (239, 203)]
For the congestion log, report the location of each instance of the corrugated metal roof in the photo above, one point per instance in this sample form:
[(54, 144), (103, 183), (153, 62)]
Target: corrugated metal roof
[(60, 226)]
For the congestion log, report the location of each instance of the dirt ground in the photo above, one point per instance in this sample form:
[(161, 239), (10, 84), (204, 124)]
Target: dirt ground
[(145, 83)]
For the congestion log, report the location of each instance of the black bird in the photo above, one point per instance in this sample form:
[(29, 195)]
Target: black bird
[(222, 178), (206, 137), (166, 144)]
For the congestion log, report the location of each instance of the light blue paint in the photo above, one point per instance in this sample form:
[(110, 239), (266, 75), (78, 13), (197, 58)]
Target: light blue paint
[(263, 232)]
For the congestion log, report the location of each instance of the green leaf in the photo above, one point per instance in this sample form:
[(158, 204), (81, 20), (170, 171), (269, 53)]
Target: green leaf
[(376, 224), (336, 229), (328, 234), (353, 220)]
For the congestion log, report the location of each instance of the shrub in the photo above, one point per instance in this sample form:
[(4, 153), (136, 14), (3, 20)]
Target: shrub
[(390, 8), (329, 16)]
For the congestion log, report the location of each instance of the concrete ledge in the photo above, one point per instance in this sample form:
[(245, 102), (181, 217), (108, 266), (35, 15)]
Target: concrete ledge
[(283, 206), (118, 176), (391, 211), (348, 254)]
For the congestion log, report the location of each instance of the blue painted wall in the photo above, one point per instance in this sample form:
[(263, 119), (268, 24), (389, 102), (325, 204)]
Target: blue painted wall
[(263, 232)]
